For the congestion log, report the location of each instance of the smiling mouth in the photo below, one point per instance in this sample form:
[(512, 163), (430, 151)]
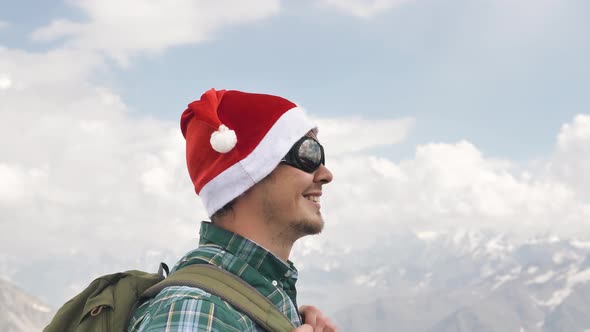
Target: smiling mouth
[(313, 198)]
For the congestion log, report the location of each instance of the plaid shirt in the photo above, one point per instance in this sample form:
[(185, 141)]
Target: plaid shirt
[(191, 309)]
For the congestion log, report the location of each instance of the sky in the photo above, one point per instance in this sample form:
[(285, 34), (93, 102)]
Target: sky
[(435, 115)]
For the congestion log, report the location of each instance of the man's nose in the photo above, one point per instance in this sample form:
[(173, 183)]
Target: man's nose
[(323, 175)]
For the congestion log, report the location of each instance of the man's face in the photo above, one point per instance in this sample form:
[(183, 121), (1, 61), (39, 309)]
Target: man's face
[(291, 200)]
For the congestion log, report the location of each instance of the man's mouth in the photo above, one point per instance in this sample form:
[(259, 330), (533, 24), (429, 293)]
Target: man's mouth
[(313, 198)]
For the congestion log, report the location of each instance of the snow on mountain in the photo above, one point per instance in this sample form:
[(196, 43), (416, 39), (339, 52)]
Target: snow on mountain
[(580, 244), (573, 278), (543, 278), (487, 281), (426, 280), (21, 312)]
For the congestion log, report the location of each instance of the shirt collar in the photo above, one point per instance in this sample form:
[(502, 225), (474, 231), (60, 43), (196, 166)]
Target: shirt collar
[(250, 252)]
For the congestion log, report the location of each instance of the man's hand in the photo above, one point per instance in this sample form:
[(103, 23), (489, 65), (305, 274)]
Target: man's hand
[(315, 321)]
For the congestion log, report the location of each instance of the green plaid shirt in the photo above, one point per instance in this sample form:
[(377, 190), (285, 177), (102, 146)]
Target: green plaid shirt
[(192, 309)]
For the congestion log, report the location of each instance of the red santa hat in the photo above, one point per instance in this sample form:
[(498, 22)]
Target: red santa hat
[(234, 139)]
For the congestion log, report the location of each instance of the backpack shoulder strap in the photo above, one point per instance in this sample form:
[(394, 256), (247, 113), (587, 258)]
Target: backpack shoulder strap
[(231, 289)]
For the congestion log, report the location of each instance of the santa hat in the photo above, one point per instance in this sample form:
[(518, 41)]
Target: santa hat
[(234, 139)]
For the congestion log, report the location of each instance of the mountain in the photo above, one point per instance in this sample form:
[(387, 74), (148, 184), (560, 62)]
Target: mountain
[(572, 314), (472, 281), (427, 281), (21, 312)]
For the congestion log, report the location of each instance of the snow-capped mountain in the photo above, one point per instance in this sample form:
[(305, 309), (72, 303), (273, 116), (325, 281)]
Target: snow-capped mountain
[(455, 280), (470, 281), (20, 312)]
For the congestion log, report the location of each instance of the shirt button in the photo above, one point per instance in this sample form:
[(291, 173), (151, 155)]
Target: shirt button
[(288, 273), (274, 283)]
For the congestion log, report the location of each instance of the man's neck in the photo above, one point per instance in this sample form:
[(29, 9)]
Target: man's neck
[(260, 233)]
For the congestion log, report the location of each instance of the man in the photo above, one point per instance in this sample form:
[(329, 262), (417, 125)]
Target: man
[(258, 167)]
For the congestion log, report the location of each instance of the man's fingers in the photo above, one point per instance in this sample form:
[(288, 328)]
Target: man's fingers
[(304, 328), (319, 328), (314, 317), (310, 314), (330, 325)]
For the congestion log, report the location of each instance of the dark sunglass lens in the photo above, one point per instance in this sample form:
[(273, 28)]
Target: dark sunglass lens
[(310, 154)]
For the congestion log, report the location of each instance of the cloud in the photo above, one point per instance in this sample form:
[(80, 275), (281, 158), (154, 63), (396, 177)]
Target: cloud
[(54, 69), (76, 165), (351, 135), (4, 24), (121, 30), (5, 82), (574, 137), (571, 161), (449, 186), (13, 186), (79, 165), (362, 8)]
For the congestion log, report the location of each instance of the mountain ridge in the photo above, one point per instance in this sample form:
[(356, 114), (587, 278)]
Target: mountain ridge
[(456, 280), (19, 311)]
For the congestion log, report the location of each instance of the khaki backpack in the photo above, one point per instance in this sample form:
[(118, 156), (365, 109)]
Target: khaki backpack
[(108, 303)]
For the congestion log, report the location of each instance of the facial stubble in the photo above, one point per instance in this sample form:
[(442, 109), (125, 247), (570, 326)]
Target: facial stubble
[(292, 229)]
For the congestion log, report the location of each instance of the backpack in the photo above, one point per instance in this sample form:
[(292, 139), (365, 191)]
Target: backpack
[(108, 303)]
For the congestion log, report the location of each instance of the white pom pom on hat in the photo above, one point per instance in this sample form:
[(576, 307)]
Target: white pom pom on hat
[(223, 140)]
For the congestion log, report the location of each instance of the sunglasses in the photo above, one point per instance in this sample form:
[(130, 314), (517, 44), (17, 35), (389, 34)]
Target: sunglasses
[(307, 154)]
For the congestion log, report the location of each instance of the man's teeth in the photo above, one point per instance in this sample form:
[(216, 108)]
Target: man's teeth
[(313, 198)]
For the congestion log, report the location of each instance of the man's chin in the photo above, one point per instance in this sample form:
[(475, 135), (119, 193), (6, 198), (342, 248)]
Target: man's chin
[(309, 227)]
